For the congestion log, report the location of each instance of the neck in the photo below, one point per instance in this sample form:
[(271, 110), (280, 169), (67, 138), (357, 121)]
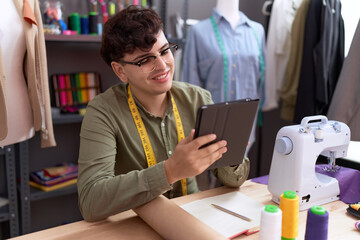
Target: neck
[(230, 10), (155, 105)]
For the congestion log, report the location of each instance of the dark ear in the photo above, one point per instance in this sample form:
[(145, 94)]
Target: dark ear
[(119, 70)]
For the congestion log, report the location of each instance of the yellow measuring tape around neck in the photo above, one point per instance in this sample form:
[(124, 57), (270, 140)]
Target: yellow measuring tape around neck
[(149, 152)]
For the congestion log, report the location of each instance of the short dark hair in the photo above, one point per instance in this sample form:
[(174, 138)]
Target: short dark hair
[(131, 28)]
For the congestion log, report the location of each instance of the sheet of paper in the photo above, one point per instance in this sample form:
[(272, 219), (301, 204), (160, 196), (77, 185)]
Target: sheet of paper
[(353, 153), (178, 225), (227, 225)]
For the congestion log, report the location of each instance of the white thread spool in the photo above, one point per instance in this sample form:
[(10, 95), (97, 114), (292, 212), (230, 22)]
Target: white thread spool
[(270, 224)]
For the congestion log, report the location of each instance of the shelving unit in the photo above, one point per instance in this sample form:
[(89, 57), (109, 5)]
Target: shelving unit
[(9, 213), (73, 38), (29, 194)]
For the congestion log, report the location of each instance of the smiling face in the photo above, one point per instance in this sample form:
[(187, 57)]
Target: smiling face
[(147, 85)]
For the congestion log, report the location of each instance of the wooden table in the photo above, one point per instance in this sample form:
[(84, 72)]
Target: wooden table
[(128, 225)]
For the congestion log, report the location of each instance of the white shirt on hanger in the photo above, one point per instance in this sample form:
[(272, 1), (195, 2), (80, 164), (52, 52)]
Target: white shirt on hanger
[(278, 47)]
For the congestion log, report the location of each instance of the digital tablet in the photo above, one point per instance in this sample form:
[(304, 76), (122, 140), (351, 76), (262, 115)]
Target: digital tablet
[(231, 121)]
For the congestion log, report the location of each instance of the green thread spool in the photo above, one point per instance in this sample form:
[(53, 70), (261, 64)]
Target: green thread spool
[(75, 22)]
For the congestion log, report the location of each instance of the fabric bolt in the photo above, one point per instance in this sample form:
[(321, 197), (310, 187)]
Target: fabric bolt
[(345, 104), (112, 162), (278, 48)]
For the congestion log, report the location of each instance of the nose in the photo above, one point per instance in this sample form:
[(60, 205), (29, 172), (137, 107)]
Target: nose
[(160, 63)]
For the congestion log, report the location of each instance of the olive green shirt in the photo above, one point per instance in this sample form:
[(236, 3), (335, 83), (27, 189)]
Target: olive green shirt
[(289, 89), (113, 171)]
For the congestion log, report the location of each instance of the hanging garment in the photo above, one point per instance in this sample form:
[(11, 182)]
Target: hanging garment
[(323, 55), (35, 70), (278, 48), (345, 104), (290, 85)]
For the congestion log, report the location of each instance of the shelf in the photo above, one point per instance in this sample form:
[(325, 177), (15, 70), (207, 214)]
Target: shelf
[(72, 38), (92, 38), (37, 194), (4, 214), (67, 118), (63, 118)]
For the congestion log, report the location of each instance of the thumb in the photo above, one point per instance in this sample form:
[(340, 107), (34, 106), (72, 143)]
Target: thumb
[(189, 138)]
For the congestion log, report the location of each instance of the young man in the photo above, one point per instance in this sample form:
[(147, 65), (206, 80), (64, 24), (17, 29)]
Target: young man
[(132, 142)]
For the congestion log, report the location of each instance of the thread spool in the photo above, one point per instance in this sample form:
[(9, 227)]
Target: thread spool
[(105, 18), (270, 224), (75, 22), (84, 20), (317, 223), (112, 9), (93, 23), (357, 225), (289, 205), (99, 27)]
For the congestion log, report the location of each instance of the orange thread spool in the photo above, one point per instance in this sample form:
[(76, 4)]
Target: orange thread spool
[(289, 205)]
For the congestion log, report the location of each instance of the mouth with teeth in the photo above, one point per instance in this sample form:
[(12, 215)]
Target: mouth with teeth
[(161, 77)]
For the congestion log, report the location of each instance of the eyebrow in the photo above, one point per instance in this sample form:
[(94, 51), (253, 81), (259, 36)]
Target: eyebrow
[(148, 54)]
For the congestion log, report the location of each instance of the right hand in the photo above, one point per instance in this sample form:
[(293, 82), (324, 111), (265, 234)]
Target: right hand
[(189, 160)]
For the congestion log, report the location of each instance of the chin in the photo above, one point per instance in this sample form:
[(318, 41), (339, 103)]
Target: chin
[(167, 85)]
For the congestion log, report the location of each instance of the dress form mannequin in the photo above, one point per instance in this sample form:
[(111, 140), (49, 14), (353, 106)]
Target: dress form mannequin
[(244, 43), (12, 43), (230, 10)]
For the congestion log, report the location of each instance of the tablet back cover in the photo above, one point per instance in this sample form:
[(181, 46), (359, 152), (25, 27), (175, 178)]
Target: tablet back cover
[(231, 121)]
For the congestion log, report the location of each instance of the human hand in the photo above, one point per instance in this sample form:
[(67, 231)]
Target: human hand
[(190, 160)]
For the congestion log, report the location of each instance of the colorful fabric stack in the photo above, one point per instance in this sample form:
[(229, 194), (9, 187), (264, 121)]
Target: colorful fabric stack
[(52, 178)]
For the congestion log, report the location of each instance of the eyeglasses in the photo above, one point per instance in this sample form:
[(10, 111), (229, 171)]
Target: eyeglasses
[(148, 64)]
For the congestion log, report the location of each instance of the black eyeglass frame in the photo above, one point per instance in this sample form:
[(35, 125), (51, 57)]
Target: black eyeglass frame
[(138, 63)]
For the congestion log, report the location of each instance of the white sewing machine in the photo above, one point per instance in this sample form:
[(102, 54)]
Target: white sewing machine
[(296, 150)]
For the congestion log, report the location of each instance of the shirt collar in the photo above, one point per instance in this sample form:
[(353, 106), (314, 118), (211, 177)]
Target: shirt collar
[(219, 17), (168, 110)]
